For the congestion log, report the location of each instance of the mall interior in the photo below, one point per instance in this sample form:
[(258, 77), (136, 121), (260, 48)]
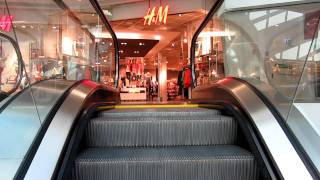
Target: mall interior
[(159, 89)]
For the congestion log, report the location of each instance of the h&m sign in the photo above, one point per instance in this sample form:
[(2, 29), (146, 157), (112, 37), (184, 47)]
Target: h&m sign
[(156, 15)]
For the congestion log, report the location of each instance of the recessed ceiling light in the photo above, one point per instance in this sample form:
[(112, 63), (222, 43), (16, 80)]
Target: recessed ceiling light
[(185, 40), (141, 44), (23, 26), (54, 27), (180, 15)]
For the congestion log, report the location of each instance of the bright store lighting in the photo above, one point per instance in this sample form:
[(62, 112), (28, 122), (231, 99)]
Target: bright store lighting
[(157, 37), (216, 34), (214, 72), (67, 45), (122, 35)]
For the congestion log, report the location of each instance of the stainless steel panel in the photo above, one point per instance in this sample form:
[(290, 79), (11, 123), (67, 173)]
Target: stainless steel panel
[(280, 147), (51, 146), (21, 119)]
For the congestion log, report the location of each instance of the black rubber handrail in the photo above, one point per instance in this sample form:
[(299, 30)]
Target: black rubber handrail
[(25, 164), (311, 167), (212, 11)]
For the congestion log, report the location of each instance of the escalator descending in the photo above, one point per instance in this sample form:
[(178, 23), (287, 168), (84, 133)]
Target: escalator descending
[(164, 143)]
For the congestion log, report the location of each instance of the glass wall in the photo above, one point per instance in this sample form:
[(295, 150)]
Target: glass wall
[(64, 41), (275, 49)]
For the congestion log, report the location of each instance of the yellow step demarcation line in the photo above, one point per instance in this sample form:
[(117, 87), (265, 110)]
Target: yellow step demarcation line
[(145, 106)]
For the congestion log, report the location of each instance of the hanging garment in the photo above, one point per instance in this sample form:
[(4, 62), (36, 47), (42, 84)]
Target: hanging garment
[(138, 67), (128, 66), (180, 84), (134, 68), (187, 78)]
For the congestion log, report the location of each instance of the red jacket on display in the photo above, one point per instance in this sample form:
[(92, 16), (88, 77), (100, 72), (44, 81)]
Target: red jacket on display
[(134, 68), (187, 78)]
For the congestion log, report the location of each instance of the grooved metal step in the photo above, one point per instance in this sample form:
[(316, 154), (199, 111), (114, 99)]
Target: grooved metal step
[(160, 128), (221, 162)]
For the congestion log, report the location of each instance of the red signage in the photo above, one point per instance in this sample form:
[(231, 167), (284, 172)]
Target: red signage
[(152, 17), (6, 23)]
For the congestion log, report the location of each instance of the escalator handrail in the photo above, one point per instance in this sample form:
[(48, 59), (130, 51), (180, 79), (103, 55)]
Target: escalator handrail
[(271, 131), (203, 24), (4, 105), (282, 122), (104, 19), (30, 153), (20, 63), (41, 166)]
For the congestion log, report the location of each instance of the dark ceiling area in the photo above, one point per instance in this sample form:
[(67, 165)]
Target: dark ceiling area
[(135, 47)]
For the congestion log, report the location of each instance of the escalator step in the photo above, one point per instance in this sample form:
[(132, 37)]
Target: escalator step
[(203, 128), (221, 162), (162, 112)]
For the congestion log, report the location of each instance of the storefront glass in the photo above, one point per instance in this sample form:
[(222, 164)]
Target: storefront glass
[(275, 49), (55, 42)]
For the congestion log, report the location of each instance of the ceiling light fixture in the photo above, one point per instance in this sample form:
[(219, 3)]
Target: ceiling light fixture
[(157, 37), (216, 34), (185, 40)]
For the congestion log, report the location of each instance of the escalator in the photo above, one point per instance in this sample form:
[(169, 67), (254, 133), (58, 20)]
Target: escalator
[(59, 129), (218, 135), (158, 143)]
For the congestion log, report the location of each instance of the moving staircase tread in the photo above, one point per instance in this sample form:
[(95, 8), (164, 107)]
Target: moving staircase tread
[(167, 112), (164, 153), (223, 162), (161, 130), (163, 144)]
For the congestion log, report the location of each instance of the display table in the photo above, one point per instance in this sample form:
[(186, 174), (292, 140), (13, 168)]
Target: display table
[(131, 94)]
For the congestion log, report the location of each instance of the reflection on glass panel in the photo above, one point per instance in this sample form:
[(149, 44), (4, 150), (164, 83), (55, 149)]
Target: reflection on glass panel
[(56, 44), (209, 52), (9, 66), (304, 117), (277, 19), (275, 50)]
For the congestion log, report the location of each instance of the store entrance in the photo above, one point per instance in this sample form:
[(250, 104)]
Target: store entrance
[(154, 62)]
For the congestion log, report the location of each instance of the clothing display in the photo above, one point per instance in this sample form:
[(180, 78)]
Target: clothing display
[(184, 81)]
